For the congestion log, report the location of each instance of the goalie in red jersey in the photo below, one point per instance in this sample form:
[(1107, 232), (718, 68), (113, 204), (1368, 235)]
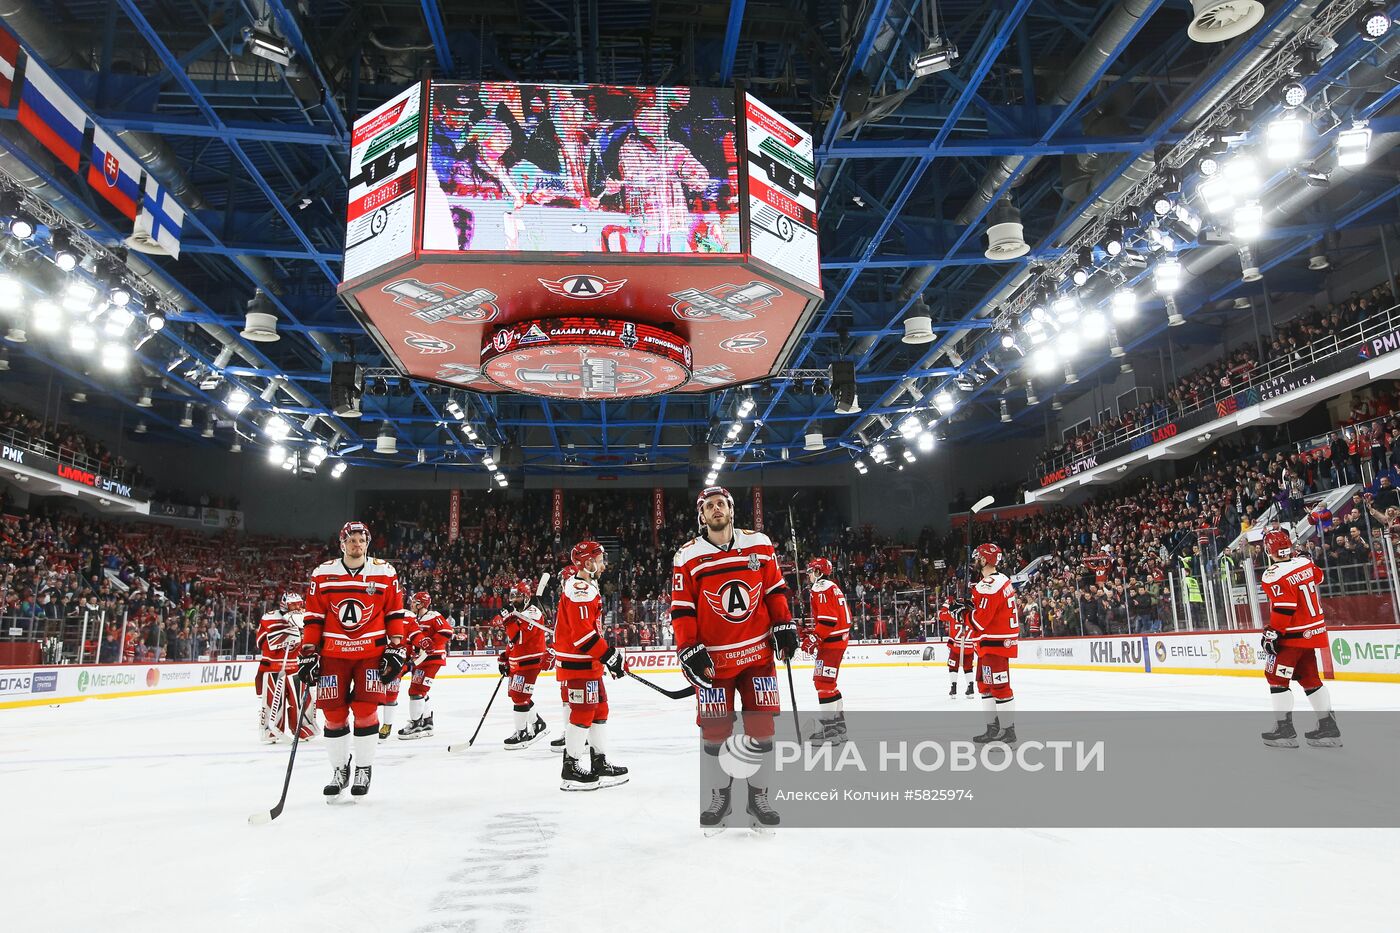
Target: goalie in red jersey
[(1297, 628), (279, 700), (729, 609)]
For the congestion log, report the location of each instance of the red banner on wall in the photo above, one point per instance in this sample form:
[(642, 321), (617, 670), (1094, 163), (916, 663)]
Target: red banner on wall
[(758, 508), (558, 511), (454, 515), (658, 515)]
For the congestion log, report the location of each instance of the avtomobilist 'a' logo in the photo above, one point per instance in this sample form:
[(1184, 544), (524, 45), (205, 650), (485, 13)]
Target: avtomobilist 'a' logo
[(735, 601), (353, 614)]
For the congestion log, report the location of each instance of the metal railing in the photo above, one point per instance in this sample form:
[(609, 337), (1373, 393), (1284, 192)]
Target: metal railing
[(1375, 325)]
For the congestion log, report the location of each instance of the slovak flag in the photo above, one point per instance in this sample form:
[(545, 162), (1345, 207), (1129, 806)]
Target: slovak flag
[(114, 173), (51, 114), (160, 219), (9, 66)]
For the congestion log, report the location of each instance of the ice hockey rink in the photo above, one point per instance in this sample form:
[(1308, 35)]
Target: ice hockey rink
[(133, 814)]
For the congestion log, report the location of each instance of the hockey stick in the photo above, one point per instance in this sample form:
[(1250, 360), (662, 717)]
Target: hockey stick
[(787, 662), (259, 819), (687, 691), (458, 747)]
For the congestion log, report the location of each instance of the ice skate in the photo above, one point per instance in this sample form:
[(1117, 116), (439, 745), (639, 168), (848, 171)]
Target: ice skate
[(608, 775), (526, 737), (712, 819), (763, 819), (362, 776), (410, 731), (1283, 735), (993, 730), (340, 779), (1326, 735), (572, 779)]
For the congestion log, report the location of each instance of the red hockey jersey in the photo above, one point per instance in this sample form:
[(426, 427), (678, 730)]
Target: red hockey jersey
[(578, 630), (961, 635), (278, 639), (993, 616), (524, 633), (354, 613), (432, 635), (1295, 608), (728, 599), (830, 613)]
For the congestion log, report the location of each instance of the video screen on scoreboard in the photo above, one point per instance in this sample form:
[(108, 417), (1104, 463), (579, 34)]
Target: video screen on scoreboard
[(582, 168)]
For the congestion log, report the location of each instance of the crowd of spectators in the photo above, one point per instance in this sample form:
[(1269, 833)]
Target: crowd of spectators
[(1292, 339), (64, 443)]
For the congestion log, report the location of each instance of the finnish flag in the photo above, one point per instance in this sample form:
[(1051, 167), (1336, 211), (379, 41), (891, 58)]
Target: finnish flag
[(160, 219)]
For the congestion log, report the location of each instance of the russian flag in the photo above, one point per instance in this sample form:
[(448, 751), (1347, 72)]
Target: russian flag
[(114, 173), (9, 66), (160, 219), (51, 115)]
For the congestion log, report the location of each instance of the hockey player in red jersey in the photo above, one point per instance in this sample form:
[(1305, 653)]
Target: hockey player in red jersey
[(996, 627), (962, 644), (353, 644), (1297, 628), (389, 702), (279, 700), (565, 575), (826, 641), (522, 661), (729, 610), (429, 647), (583, 654)]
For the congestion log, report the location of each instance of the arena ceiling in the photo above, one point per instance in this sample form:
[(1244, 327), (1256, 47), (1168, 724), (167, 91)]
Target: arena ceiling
[(1066, 110)]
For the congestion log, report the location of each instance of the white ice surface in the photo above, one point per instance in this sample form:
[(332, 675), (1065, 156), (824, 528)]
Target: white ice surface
[(132, 814)]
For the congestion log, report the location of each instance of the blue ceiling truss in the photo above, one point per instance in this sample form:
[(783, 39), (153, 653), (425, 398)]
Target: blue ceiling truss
[(908, 174)]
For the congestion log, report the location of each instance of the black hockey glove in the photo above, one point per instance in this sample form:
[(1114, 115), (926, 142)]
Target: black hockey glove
[(614, 661), (696, 666), (1270, 641), (503, 664), (392, 664), (785, 637), (308, 665)]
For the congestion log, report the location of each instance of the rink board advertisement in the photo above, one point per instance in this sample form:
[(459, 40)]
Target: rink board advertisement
[(1100, 769), (1357, 653), (379, 215), (35, 686)]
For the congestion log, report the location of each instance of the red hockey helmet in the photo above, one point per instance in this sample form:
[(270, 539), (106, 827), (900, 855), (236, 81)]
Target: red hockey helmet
[(1277, 544), (988, 554), (422, 596), (820, 566), (585, 551), (351, 527), (292, 602), (522, 588)]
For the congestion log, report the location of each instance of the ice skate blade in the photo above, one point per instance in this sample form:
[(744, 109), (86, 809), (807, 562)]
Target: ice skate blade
[(573, 787), (342, 798), (613, 781), (1325, 743), (415, 735), (763, 832), (712, 831), (1281, 743)]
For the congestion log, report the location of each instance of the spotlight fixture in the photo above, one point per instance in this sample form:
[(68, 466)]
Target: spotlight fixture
[(1353, 145), (262, 42), (145, 400), (1166, 275), (1113, 239), (860, 466), (938, 56), (114, 356), (83, 338), (386, 442), (910, 426), (155, 321), (1044, 361), (338, 470), (64, 255), (1094, 326), (1216, 194), (260, 323), (1372, 21), (1248, 222), (1160, 202), (236, 400), (1124, 303), (1292, 93), (1084, 266), (1031, 397), (879, 453), (1283, 138), (944, 402), (1318, 259), (20, 225), (187, 419)]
